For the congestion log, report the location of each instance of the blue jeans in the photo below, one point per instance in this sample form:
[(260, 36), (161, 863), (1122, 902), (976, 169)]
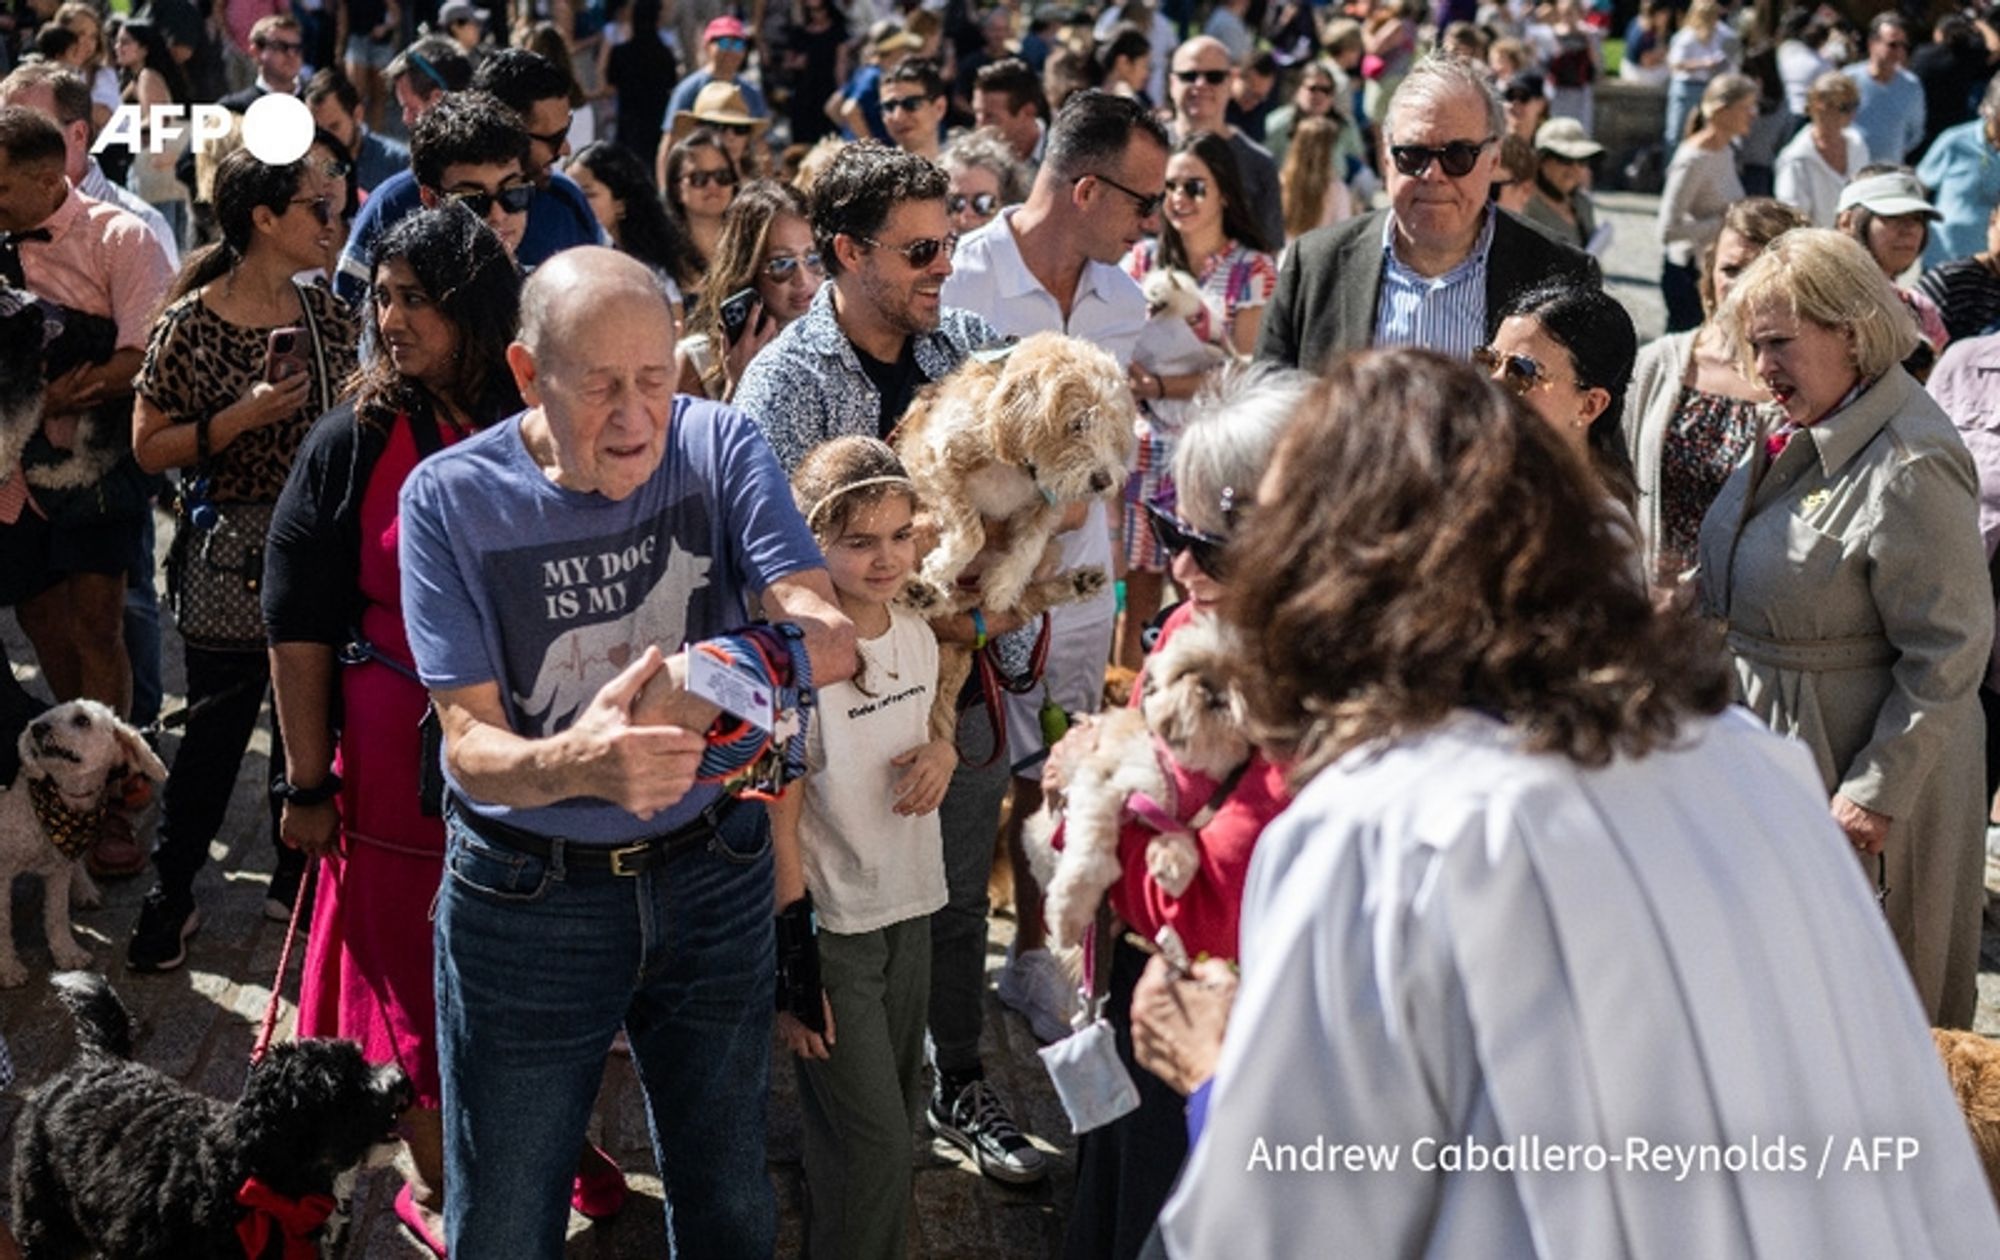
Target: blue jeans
[(537, 968)]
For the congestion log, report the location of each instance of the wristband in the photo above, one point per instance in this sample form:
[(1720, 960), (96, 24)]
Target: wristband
[(283, 789), (978, 629), (201, 444)]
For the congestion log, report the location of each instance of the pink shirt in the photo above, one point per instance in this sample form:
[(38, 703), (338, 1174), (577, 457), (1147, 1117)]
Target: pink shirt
[(240, 15), (101, 260)]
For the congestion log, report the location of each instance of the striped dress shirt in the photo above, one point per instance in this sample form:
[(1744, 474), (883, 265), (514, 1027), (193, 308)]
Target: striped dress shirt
[(1444, 313)]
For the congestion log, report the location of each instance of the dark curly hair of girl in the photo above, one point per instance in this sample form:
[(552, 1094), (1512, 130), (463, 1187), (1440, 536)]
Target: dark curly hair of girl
[(1423, 543)]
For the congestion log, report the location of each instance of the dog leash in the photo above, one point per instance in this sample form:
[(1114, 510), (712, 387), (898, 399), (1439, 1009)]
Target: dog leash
[(991, 686), (299, 901)]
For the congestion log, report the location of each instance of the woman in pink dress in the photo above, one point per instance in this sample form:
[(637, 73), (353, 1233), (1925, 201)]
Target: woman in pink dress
[(441, 309)]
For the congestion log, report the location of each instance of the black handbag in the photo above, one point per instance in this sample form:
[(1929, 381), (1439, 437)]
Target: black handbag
[(215, 574)]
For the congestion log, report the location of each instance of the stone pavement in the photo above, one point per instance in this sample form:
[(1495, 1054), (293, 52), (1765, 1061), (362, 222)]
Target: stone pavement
[(199, 1023)]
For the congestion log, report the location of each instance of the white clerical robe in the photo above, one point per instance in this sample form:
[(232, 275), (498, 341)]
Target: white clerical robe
[(1672, 962)]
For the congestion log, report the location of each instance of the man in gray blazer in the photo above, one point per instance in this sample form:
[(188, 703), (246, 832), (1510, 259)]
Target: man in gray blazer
[(1437, 267)]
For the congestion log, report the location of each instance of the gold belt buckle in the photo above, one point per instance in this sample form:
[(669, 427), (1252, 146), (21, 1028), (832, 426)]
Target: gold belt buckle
[(637, 853)]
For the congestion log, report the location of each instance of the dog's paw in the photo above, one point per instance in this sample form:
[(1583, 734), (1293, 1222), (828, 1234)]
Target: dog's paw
[(83, 891), (13, 975), (1088, 583), (924, 599), (71, 957), (1172, 860)]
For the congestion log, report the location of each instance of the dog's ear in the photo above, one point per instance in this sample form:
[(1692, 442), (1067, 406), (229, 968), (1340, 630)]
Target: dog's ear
[(138, 755)]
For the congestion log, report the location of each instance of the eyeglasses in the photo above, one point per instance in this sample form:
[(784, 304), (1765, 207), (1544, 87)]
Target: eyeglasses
[(897, 104), (1176, 535), (334, 168), (1196, 188), (1214, 78), (321, 207), (919, 253), (1319, 89), (1148, 206), (1457, 158), (702, 179), (781, 266), (730, 43), (279, 45), (554, 139), (514, 199), (729, 129), (983, 204), (1518, 372)]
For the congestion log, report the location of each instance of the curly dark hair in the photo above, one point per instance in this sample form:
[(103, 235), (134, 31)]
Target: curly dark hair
[(470, 127), (1424, 543), (646, 231), (466, 273), (865, 182)]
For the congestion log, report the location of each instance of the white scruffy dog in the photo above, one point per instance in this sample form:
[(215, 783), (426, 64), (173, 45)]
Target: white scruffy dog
[(1189, 711), (74, 760)]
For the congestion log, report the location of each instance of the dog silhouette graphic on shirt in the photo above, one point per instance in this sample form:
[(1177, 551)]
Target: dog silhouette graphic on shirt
[(583, 658)]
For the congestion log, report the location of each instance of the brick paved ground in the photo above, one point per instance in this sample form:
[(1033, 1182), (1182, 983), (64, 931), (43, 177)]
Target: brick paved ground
[(198, 1024)]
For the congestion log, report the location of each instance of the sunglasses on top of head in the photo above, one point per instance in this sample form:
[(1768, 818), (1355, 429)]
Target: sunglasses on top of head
[(1456, 158), (1214, 78), (514, 199)]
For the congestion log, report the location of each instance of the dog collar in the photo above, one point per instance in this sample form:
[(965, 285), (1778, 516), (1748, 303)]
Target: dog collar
[(70, 830), (293, 1220), (1040, 489)]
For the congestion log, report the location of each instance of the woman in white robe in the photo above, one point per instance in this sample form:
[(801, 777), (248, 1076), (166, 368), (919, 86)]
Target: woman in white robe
[(1543, 902)]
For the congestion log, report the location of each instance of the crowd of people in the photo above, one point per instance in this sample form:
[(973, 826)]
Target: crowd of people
[(569, 361)]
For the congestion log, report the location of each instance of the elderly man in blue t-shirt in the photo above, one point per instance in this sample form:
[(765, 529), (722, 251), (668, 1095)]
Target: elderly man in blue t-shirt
[(550, 565)]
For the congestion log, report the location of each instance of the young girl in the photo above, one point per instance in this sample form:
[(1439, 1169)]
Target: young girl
[(860, 832)]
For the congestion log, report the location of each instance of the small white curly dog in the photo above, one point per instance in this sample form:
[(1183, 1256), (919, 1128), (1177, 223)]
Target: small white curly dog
[(1190, 712), (74, 759)]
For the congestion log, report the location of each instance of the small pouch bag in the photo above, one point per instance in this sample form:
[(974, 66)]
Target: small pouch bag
[(1090, 1079)]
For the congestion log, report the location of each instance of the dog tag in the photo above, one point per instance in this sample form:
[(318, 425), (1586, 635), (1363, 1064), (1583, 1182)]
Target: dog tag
[(732, 690)]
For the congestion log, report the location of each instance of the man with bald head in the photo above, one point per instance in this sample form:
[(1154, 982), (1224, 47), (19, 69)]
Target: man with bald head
[(1438, 266), (553, 567), (1199, 83)]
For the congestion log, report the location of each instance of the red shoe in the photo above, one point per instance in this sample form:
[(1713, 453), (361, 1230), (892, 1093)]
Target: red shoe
[(599, 1195), (412, 1217), (115, 854)]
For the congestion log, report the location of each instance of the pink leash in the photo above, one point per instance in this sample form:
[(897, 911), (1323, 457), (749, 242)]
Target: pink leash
[(284, 964)]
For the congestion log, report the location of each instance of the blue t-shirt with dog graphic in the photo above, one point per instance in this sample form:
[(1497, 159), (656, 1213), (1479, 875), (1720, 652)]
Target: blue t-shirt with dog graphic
[(511, 579)]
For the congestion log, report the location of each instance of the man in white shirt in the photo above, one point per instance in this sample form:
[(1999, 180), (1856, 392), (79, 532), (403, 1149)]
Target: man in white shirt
[(1051, 265)]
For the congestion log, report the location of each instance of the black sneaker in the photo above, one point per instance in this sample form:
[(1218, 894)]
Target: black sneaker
[(159, 940), (977, 1122)]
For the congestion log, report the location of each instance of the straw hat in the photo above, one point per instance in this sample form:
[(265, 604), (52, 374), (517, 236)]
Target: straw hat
[(718, 104)]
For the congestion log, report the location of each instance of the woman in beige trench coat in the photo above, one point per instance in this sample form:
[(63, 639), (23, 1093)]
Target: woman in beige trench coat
[(1844, 557)]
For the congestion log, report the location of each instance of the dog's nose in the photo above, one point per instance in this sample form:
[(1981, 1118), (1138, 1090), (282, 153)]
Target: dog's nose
[(39, 728), (1099, 482)]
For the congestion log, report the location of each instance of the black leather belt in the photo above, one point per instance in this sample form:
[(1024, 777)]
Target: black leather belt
[(581, 855)]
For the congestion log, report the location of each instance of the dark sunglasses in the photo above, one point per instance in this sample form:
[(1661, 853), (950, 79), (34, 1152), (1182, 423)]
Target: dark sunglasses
[(730, 43), (1148, 206), (897, 104), (321, 207), (1519, 96), (782, 266), (919, 253), (514, 199), (730, 129), (1211, 77), (1196, 188), (1518, 372), (702, 179), (983, 204), (1176, 535), (1457, 158), (279, 45), (334, 168), (553, 139), (1319, 89)]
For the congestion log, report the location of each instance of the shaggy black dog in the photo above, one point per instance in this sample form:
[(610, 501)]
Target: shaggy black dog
[(115, 1159)]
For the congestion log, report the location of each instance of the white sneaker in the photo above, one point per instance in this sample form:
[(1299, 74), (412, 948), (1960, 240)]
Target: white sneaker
[(1038, 987)]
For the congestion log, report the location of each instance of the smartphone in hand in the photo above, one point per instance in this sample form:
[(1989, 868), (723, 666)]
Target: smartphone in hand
[(284, 354), (737, 312)]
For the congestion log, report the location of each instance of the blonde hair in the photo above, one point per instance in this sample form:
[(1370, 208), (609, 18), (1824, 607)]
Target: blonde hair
[(1827, 277), (1703, 16), (1722, 91), (1308, 176), (1832, 88)]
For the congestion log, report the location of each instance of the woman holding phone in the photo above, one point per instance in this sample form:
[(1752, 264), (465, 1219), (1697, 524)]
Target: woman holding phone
[(240, 362), (765, 274)]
